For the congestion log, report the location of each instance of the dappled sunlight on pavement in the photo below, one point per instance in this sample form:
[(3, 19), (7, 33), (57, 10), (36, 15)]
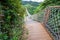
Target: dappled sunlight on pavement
[(36, 30)]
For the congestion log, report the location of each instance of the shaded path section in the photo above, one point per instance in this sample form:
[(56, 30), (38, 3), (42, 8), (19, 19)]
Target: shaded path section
[(36, 30)]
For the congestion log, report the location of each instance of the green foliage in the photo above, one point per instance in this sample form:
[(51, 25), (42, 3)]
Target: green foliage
[(31, 6), (47, 3), (12, 27)]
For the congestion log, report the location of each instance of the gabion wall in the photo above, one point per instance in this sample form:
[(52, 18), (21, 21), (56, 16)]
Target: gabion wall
[(53, 22), (51, 19), (38, 17)]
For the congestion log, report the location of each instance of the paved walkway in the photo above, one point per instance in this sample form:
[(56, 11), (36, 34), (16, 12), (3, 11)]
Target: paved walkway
[(36, 31)]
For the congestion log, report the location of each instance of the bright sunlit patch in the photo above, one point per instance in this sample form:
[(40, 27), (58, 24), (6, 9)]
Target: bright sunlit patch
[(38, 0), (34, 0)]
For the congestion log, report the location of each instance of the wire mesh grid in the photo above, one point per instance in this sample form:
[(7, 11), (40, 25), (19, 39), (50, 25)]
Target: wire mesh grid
[(53, 22)]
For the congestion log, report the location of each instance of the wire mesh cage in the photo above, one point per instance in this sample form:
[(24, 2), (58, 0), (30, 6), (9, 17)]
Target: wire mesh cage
[(52, 21)]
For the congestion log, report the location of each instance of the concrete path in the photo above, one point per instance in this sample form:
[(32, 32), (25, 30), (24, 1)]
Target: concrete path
[(36, 30)]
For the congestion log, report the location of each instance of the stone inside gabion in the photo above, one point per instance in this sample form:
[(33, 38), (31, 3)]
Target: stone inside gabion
[(54, 21)]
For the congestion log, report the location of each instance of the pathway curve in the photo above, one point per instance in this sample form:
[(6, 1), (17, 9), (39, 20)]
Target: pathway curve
[(36, 30)]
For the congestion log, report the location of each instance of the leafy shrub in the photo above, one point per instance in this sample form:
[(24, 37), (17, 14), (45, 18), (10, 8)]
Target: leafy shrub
[(12, 26), (47, 3)]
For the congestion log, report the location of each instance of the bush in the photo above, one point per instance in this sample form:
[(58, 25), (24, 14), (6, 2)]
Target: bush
[(12, 26)]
